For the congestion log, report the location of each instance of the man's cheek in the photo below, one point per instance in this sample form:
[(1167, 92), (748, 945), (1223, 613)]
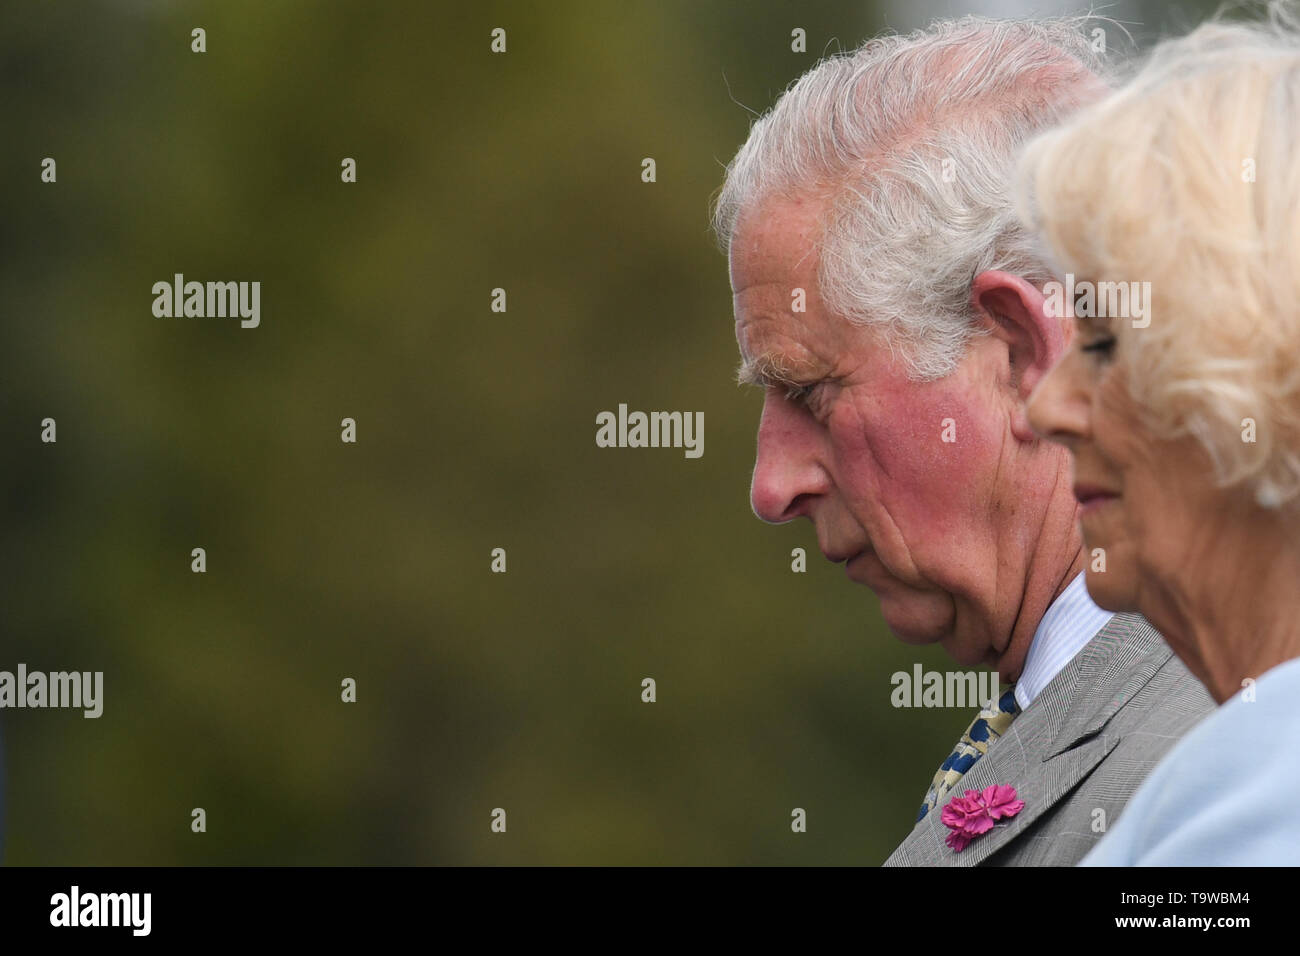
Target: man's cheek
[(928, 454), (937, 489)]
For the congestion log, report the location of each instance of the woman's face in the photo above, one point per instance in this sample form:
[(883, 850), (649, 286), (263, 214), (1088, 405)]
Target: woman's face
[(1147, 508)]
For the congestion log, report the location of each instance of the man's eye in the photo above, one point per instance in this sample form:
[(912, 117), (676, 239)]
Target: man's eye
[(813, 397), (799, 393)]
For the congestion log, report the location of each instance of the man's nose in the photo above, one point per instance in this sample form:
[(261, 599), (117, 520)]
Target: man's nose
[(788, 475)]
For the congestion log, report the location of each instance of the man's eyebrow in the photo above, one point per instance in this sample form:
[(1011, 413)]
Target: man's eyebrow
[(765, 371)]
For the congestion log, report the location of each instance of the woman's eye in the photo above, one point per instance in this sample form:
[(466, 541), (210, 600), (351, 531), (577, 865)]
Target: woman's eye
[(1103, 347)]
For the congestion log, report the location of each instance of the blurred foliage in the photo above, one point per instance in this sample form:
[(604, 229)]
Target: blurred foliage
[(475, 430)]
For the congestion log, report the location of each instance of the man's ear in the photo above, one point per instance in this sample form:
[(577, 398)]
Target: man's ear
[(1013, 310)]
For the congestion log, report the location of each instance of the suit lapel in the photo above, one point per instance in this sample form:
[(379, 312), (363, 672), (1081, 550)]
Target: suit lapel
[(1053, 745), (1042, 784), (1115, 665)]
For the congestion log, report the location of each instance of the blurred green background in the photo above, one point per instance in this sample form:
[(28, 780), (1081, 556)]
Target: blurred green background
[(475, 431)]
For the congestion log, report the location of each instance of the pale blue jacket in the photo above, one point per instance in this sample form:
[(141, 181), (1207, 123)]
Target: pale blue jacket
[(1225, 795)]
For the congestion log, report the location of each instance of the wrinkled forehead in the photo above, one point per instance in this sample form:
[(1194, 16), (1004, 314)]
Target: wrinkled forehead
[(775, 241), (771, 342), (772, 336)]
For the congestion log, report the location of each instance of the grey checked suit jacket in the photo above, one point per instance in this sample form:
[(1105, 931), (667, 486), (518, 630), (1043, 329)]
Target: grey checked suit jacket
[(1084, 744)]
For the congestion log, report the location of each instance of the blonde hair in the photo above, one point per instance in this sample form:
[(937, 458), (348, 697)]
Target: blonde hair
[(1188, 178)]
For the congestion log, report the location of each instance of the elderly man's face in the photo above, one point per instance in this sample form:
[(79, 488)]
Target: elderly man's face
[(941, 531)]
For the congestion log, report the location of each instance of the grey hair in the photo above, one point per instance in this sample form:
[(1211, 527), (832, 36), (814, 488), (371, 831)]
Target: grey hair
[(911, 142)]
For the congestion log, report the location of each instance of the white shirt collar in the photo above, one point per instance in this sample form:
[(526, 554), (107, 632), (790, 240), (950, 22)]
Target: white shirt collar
[(1070, 622)]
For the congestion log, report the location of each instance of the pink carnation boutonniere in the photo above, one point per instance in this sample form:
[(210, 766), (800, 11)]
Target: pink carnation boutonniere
[(974, 814)]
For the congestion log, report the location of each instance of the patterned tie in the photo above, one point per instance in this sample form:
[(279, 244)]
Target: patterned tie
[(987, 727)]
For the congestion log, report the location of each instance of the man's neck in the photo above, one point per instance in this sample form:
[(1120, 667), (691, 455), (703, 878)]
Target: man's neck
[(1056, 559), (1038, 598)]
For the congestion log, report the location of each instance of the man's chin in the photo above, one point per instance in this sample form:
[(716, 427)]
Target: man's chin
[(915, 616), (915, 628), (964, 656)]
